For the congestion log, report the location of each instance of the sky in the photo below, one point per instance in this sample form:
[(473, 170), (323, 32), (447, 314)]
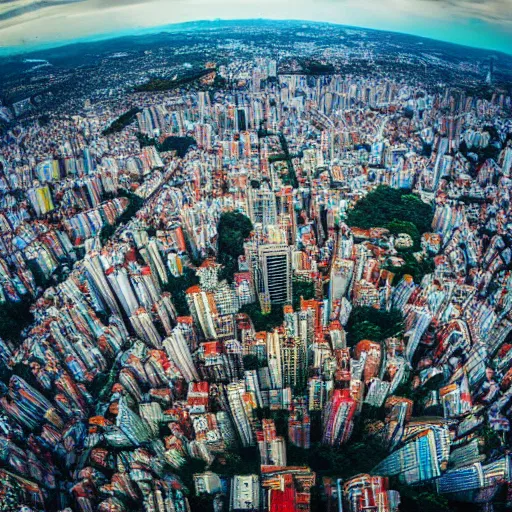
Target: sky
[(479, 23)]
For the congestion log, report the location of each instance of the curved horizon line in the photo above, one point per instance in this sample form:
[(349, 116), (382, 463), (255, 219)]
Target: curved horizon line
[(32, 47)]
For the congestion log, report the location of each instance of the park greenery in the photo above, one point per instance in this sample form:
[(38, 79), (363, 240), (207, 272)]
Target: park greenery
[(315, 68), (172, 143), (399, 211), (386, 207), (264, 321), (14, 318), (134, 205), (168, 84), (367, 323), (413, 267), (302, 290), (122, 121), (251, 362), (291, 177), (233, 229), (243, 461)]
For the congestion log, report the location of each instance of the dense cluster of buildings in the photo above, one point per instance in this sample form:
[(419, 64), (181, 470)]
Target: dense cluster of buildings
[(145, 355)]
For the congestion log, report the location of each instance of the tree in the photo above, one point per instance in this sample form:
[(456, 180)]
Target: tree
[(179, 144), (413, 267), (373, 324), (264, 321), (189, 469), (177, 287), (245, 461), (251, 362), (134, 205), (414, 499), (14, 318), (385, 205), (122, 121), (304, 289), (365, 330), (400, 226), (233, 229)]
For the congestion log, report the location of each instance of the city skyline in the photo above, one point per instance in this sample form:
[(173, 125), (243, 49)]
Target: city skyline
[(28, 24)]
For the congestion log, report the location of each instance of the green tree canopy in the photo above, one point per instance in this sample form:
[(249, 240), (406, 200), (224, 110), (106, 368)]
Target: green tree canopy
[(413, 267), (304, 289), (177, 287), (403, 226), (233, 229), (373, 324), (385, 205), (262, 321)]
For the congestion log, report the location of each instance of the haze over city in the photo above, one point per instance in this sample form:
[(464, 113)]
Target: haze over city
[(486, 24)]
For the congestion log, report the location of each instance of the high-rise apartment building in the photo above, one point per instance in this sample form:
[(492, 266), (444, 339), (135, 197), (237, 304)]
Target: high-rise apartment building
[(203, 309), (276, 272), (262, 204)]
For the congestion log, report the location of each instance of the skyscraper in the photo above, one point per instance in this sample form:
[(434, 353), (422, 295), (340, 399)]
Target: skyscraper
[(262, 204), (276, 268)]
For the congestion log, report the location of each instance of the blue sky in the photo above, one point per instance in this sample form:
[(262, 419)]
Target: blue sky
[(485, 24)]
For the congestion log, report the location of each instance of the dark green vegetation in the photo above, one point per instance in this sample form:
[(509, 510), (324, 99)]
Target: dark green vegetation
[(264, 321), (401, 212), (173, 143), (313, 67), (233, 229), (367, 323), (403, 226), (122, 121), (420, 499), (360, 455), (339, 462), (244, 461), (60, 273), (167, 84), (133, 207), (191, 467), (14, 318), (178, 144), (177, 287), (251, 362), (302, 289), (43, 120), (413, 267), (291, 178), (385, 207)]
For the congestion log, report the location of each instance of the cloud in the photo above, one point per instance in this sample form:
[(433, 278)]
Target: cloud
[(13, 9), (488, 11), (491, 11), (10, 9)]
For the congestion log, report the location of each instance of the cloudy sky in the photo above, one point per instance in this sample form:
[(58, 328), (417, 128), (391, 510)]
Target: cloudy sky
[(481, 23)]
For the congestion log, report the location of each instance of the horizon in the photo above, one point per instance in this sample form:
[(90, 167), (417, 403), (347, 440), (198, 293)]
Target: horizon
[(29, 48), (31, 24)]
